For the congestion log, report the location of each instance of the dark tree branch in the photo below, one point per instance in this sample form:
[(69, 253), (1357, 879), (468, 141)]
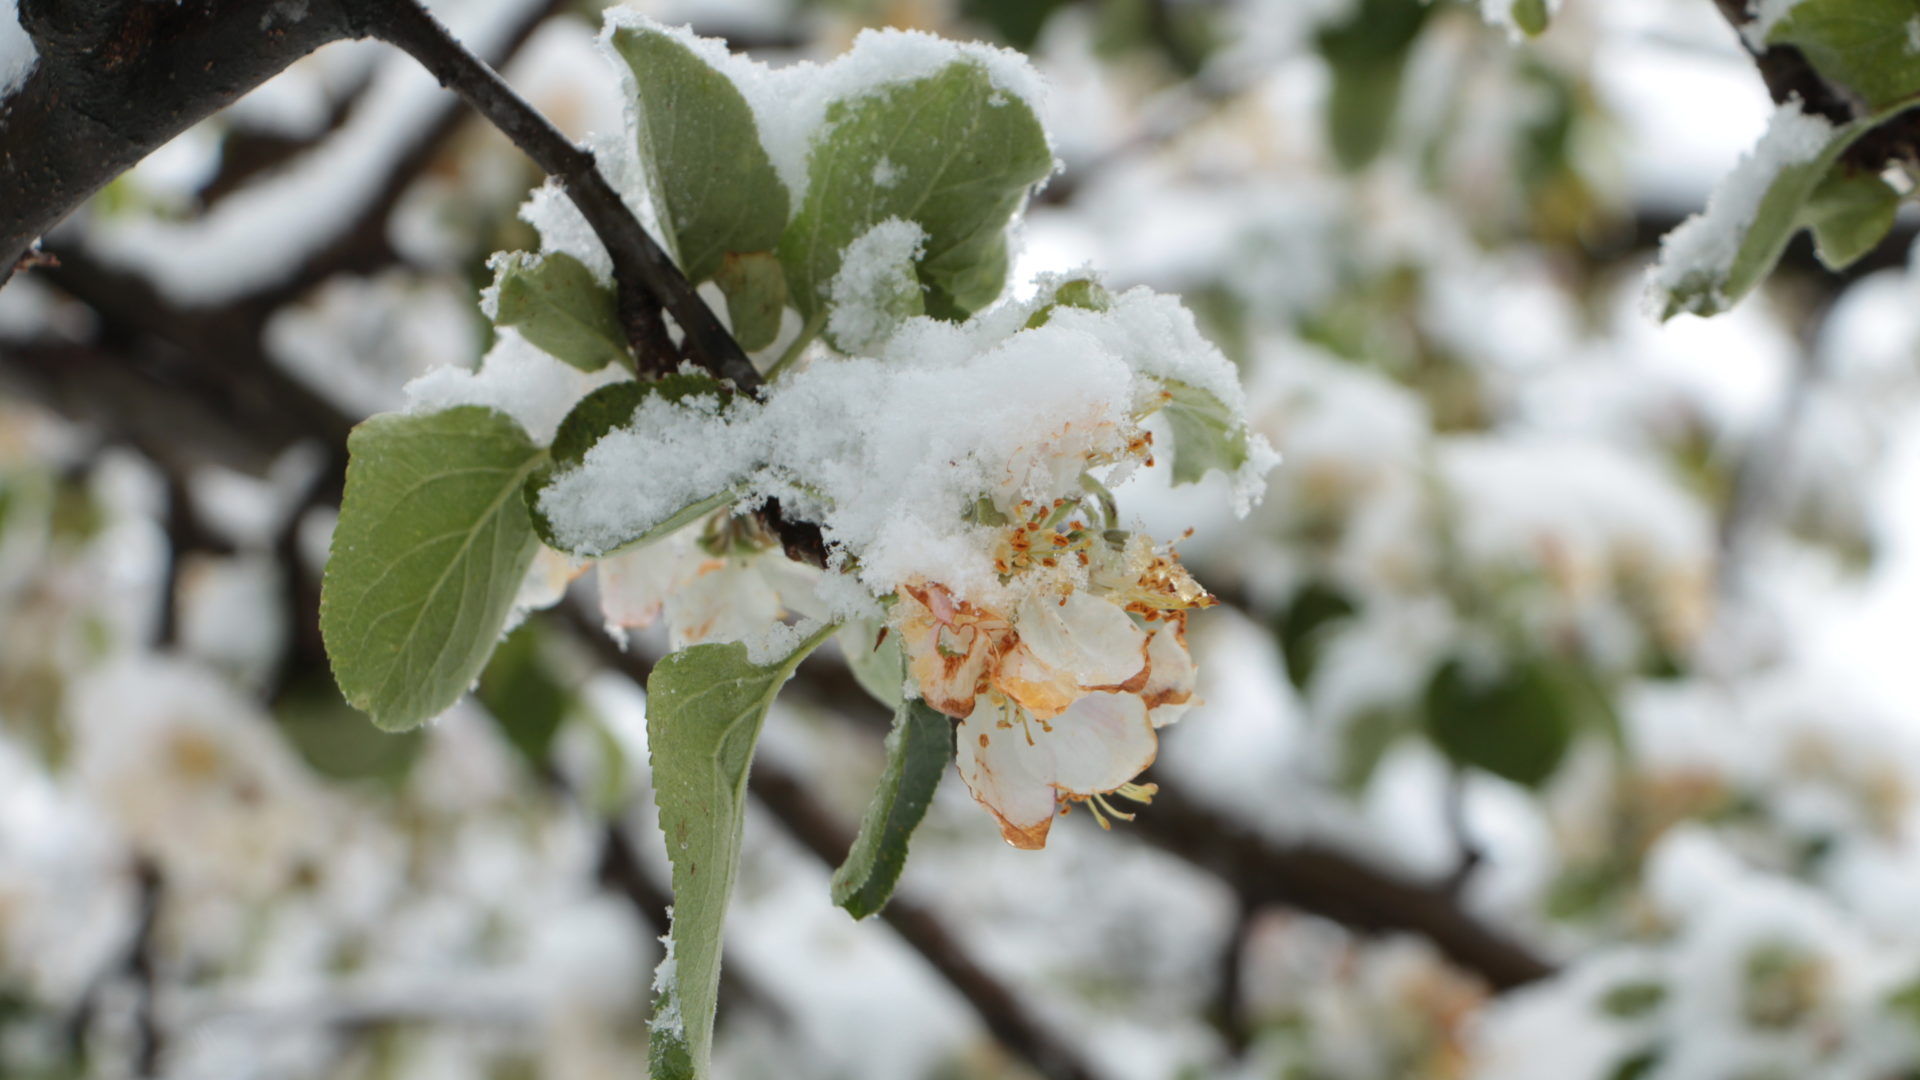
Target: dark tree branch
[(1318, 880), (646, 277), (117, 78), (1333, 885)]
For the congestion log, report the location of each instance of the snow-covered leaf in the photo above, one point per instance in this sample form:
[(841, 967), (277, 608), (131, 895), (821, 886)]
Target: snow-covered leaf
[(876, 288), (430, 549), (598, 413), (1868, 46), (1084, 293), (555, 303), (918, 751), (710, 176), (1206, 433), (1716, 257), (951, 152), (705, 706)]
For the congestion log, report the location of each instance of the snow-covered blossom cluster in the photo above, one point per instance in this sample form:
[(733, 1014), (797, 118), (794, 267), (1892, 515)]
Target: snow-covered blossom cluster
[(1588, 633)]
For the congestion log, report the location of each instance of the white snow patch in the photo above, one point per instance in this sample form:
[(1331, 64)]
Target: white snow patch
[(17, 54), (889, 453), (665, 990), (876, 273), (515, 378)]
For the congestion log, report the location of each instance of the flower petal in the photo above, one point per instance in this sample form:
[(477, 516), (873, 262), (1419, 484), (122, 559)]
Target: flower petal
[(1087, 638), (726, 601), (635, 584), (947, 657), (1103, 741), (1009, 777)]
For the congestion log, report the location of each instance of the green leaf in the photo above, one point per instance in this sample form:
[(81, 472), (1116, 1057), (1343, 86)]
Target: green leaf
[(1517, 724), (1634, 999), (1850, 213), (950, 152), (1367, 55), (919, 748), (705, 165), (1303, 629), (705, 706), (430, 550), (335, 740), (756, 290), (1083, 293), (1206, 434), (1531, 16), (1867, 46), (602, 411), (1703, 282), (555, 303), (875, 659), (521, 692)]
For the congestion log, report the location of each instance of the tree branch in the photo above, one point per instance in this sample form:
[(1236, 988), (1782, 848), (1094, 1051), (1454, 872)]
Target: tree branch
[(1318, 880), (118, 78)]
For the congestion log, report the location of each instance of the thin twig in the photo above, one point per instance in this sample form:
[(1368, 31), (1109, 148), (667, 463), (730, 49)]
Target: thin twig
[(147, 1040), (645, 276)]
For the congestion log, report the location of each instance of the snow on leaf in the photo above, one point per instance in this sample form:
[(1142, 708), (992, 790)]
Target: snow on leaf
[(1716, 257), (961, 157), (605, 410)]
